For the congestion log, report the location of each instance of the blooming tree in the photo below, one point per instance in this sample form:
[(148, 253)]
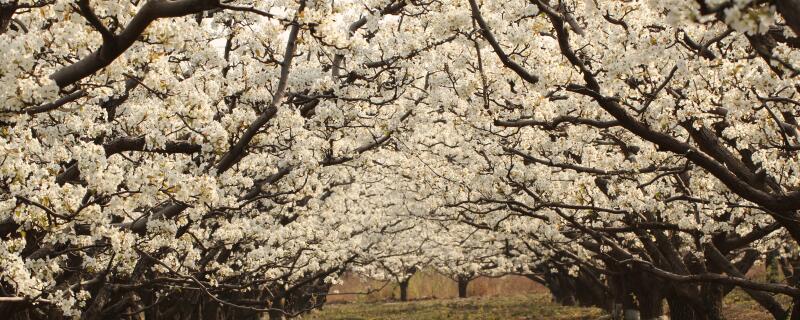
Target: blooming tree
[(648, 142), (229, 158), (155, 147)]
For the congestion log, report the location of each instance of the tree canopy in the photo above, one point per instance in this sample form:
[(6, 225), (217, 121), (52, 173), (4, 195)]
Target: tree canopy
[(207, 158)]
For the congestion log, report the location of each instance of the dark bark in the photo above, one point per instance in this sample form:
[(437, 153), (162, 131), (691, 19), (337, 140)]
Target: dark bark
[(650, 297), (404, 290), (114, 45), (630, 308), (790, 10), (712, 297), (680, 308), (277, 313), (592, 291), (462, 286), (6, 14), (124, 144), (771, 266), (561, 288), (767, 301), (795, 309)]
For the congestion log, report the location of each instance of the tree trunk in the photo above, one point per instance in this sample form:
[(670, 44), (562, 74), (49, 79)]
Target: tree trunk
[(680, 309), (629, 307), (462, 287), (591, 292), (404, 290), (6, 14), (621, 300), (561, 288), (790, 10), (796, 309), (277, 305), (211, 311), (712, 298), (772, 267), (276, 315), (651, 305), (718, 260)]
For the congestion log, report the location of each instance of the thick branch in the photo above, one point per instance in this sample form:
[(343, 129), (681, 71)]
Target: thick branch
[(487, 33), (114, 46)]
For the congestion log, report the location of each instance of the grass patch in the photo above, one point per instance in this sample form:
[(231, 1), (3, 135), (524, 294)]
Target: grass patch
[(530, 307), (510, 297), (739, 306)]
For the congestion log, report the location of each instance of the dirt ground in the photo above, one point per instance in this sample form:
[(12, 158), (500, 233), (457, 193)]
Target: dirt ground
[(511, 297)]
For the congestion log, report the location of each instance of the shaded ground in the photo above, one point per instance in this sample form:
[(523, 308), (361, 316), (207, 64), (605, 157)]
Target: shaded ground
[(510, 297), (739, 306), (530, 307)]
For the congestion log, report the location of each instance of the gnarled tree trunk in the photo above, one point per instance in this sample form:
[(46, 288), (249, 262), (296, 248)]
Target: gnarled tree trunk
[(404, 290), (462, 286)]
